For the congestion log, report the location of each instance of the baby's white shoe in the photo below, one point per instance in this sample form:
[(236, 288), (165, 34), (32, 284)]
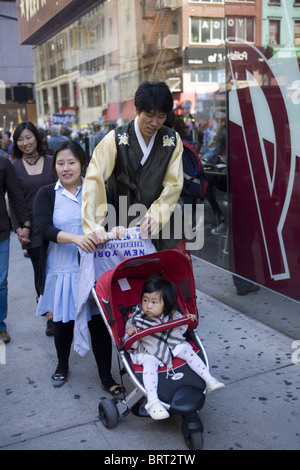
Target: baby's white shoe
[(156, 409), (213, 385)]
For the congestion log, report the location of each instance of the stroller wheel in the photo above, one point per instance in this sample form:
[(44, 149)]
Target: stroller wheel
[(108, 413), (194, 441), (193, 434)]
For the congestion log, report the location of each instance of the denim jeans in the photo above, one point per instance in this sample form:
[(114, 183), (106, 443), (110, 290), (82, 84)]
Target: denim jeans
[(4, 259)]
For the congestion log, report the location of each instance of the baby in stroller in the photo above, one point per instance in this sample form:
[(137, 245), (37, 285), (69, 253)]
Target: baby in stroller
[(159, 305)]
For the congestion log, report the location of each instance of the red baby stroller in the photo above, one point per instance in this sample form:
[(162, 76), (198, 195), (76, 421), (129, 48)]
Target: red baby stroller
[(116, 292)]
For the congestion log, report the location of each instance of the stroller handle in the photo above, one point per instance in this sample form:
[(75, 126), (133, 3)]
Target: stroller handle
[(155, 329)]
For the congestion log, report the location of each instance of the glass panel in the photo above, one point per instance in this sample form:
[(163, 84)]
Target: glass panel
[(263, 100)]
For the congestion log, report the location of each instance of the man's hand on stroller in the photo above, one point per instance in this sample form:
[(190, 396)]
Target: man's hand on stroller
[(102, 236), (149, 226)]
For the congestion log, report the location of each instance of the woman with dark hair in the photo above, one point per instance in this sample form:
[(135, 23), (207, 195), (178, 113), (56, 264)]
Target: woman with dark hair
[(57, 211), (139, 163), (57, 215), (34, 170)]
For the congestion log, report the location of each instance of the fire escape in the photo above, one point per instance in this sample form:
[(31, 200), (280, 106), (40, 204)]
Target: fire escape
[(160, 47)]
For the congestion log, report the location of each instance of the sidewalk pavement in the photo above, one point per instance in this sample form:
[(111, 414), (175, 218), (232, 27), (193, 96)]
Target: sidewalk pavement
[(258, 409)]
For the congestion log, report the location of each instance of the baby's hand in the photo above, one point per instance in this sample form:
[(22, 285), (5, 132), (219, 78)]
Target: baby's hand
[(191, 316), (132, 330)]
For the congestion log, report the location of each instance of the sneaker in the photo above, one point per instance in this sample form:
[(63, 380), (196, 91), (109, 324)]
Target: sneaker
[(58, 379), (213, 385), (220, 229), (50, 327), (4, 336)]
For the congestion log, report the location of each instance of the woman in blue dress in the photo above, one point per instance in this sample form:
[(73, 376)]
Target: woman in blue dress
[(57, 211)]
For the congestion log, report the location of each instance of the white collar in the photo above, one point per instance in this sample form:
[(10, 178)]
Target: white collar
[(65, 191), (145, 149)]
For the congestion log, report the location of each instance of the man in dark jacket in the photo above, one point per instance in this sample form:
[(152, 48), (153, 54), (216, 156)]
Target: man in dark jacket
[(9, 185)]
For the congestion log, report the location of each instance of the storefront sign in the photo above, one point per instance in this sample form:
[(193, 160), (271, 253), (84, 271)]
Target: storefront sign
[(30, 9), (238, 55), (204, 55), (63, 119), (40, 19)]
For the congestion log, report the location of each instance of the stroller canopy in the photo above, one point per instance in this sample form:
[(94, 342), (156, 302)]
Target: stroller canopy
[(171, 264)]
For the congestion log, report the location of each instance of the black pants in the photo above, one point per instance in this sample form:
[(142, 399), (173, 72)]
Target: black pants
[(102, 349), (34, 255), (210, 195), (101, 346), (63, 337)]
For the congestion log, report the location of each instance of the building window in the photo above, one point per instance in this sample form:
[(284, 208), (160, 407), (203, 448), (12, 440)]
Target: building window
[(103, 27), (104, 93), (55, 99), (51, 49), (52, 71), (127, 19), (45, 102), (297, 33), (60, 43), (90, 98), (110, 27), (206, 30), (43, 74), (65, 96), (240, 29), (39, 102), (204, 75), (94, 96), (61, 67), (98, 95), (274, 32)]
